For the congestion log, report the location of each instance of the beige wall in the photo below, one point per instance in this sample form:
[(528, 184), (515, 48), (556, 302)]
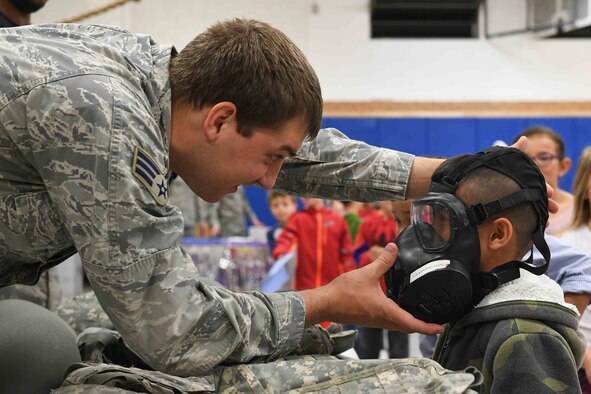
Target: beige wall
[(334, 34)]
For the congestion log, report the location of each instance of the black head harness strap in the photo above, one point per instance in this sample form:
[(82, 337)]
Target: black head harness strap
[(533, 189)]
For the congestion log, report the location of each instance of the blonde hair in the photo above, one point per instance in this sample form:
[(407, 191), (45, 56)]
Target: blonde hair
[(582, 213)]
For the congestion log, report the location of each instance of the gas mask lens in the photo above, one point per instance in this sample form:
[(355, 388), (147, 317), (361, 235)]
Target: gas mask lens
[(432, 223)]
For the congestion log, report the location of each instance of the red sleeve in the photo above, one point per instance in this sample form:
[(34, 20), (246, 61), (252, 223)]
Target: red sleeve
[(346, 248), (361, 234), (364, 259), (288, 239)]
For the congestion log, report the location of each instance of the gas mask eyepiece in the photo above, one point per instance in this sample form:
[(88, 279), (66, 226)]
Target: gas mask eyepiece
[(425, 280)]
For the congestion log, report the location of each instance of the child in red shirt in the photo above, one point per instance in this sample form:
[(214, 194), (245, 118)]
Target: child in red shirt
[(374, 233), (324, 249)]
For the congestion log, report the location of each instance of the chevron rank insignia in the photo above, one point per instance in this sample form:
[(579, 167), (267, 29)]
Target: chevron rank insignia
[(149, 174)]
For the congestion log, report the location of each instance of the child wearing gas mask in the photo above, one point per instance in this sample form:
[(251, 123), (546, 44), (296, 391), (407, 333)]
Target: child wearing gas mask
[(459, 262)]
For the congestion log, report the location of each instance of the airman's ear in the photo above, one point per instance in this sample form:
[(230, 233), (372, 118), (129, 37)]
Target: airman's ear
[(220, 115)]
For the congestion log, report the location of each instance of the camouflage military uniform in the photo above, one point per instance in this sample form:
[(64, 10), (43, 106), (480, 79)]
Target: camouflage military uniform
[(195, 210), (315, 372), (83, 311), (47, 292), (336, 168), (232, 211), (183, 197), (523, 338), (85, 116)]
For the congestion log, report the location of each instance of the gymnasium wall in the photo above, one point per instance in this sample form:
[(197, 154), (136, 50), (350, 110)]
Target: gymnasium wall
[(353, 67), (432, 136)]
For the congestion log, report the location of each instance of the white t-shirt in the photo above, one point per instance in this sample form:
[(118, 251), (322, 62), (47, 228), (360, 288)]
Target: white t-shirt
[(581, 238)]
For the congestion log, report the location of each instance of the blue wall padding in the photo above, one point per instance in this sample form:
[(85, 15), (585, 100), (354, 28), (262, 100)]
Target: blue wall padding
[(446, 137)]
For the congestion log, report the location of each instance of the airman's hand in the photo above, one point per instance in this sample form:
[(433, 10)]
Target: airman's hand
[(356, 298), (521, 144)]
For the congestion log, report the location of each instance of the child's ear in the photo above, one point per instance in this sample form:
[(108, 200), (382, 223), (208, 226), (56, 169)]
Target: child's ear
[(219, 115), (500, 233), (565, 165)]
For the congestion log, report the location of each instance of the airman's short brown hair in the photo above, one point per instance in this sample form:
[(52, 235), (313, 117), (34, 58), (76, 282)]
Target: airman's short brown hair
[(254, 66)]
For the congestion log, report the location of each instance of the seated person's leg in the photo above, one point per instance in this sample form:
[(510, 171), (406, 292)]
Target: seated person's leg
[(83, 311), (398, 344), (37, 348), (369, 342)]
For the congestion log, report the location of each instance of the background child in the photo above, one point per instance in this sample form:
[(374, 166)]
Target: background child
[(323, 244), (401, 211), (373, 235), (521, 335), (282, 206), (351, 216), (546, 147)]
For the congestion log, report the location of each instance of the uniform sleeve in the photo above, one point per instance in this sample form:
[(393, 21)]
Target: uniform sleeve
[(333, 166), (534, 363), (129, 242)]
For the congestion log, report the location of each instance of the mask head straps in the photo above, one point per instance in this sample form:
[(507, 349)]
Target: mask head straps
[(519, 167)]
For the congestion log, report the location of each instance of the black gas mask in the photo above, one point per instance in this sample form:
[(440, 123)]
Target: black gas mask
[(436, 276)]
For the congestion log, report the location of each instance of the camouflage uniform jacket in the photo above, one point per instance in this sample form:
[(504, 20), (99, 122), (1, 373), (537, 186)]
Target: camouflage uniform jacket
[(523, 338), (84, 130), (232, 211)]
